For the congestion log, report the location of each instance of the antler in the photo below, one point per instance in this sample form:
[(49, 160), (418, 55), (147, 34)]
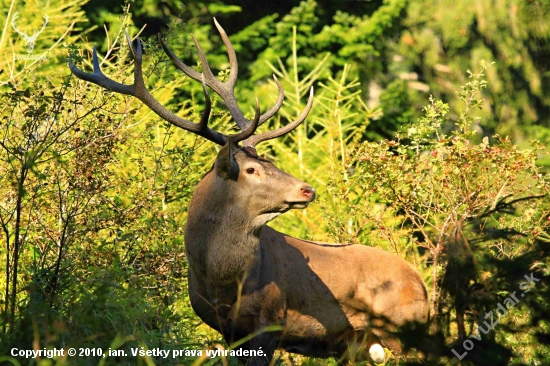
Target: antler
[(256, 139), (138, 90), (224, 89)]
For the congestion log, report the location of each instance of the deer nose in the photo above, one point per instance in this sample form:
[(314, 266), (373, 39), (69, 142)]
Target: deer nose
[(309, 192)]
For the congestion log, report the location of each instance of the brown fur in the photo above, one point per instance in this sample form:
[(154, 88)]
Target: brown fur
[(326, 297)]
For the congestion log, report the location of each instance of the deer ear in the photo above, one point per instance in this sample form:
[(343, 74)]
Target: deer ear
[(226, 166)]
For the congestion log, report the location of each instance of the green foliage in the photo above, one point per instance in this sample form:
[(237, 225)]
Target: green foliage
[(91, 234), (441, 41), (94, 189), (32, 36), (476, 212)]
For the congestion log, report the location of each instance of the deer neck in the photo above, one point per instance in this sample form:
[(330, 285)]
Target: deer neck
[(222, 239)]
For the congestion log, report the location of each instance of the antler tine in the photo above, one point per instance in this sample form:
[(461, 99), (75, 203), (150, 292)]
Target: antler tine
[(224, 89), (233, 64), (254, 140), (208, 106), (179, 64), (278, 104), (138, 90), (98, 78), (243, 135), (208, 75), (137, 55)]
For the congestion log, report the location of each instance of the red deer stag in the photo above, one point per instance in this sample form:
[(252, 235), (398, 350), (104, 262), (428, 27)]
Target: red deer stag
[(244, 275)]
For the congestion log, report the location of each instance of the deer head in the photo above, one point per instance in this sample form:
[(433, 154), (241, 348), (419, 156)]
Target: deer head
[(255, 189), (29, 40), (237, 161)]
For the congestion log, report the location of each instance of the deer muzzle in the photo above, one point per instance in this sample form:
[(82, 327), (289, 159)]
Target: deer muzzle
[(305, 195), (308, 192)]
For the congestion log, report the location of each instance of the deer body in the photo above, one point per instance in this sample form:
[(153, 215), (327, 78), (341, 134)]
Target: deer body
[(243, 275), (325, 296)]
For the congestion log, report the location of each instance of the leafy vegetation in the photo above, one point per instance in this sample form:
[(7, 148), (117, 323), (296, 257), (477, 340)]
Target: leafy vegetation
[(94, 187)]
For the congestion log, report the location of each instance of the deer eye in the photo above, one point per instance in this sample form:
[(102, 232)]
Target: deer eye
[(250, 170)]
